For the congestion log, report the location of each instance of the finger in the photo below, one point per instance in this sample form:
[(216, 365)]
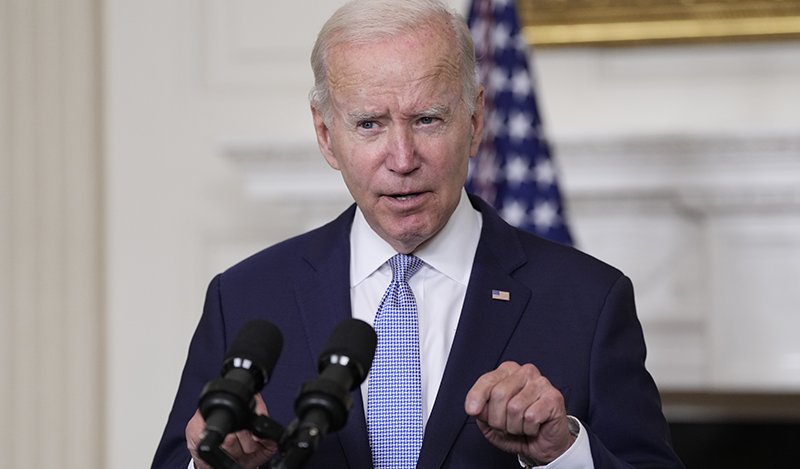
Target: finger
[(248, 442), (194, 428), (241, 443), (522, 408), (479, 394), (260, 407), (248, 450), (253, 445), (508, 400), (232, 445), (549, 408)]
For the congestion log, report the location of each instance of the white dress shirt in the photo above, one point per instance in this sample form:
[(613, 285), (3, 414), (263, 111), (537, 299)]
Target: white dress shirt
[(439, 287)]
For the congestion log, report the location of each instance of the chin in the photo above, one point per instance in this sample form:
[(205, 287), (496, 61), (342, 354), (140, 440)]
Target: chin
[(413, 238)]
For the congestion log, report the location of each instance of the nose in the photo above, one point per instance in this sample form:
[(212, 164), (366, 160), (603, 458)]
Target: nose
[(401, 152)]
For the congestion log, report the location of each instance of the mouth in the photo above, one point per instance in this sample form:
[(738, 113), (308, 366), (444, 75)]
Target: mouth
[(403, 197)]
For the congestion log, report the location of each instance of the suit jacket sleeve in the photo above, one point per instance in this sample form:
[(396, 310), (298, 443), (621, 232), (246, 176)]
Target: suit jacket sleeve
[(624, 420)]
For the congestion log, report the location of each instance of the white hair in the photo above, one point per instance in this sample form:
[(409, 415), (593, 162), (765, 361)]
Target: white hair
[(366, 21)]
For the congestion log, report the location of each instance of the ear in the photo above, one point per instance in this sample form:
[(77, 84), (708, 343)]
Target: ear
[(477, 124), (324, 138)]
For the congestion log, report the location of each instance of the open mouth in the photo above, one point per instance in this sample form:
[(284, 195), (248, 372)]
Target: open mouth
[(406, 196)]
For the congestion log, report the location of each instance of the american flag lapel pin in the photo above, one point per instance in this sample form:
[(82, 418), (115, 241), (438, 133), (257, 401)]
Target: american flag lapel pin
[(501, 295)]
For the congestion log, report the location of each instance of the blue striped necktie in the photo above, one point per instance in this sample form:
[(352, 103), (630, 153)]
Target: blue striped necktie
[(394, 405)]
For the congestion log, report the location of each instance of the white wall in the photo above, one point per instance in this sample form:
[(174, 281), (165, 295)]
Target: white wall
[(682, 167), (199, 95), (51, 285), (728, 89)]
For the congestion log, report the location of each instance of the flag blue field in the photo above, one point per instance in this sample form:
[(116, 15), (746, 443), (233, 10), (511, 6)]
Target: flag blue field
[(513, 170)]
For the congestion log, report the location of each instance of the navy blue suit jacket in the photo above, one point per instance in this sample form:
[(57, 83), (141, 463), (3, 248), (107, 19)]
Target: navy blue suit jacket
[(569, 314)]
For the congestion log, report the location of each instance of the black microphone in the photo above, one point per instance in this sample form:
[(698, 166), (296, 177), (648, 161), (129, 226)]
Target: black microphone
[(227, 403), (323, 404)]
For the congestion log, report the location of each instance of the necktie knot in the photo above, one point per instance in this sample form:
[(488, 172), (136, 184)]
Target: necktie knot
[(404, 267)]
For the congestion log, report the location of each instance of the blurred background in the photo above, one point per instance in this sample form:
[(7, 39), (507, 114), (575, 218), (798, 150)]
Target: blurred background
[(146, 145)]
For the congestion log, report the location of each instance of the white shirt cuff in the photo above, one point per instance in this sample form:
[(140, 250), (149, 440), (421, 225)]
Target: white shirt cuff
[(577, 456)]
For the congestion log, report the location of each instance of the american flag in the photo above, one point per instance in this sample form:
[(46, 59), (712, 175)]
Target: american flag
[(513, 170)]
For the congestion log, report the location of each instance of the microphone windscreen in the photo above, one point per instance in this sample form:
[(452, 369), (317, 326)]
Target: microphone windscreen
[(354, 338), (259, 341)]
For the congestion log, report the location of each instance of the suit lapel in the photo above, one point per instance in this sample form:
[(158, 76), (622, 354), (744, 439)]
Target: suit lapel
[(323, 297), (485, 326)]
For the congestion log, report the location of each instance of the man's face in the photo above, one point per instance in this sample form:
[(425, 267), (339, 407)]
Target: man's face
[(400, 133)]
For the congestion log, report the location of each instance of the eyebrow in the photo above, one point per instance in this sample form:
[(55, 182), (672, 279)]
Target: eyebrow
[(435, 110), (359, 116)]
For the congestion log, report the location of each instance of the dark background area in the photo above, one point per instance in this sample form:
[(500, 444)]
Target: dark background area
[(734, 445), (735, 430)]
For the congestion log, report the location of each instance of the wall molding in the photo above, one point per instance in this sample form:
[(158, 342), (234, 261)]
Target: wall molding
[(704, 173), (292, 172), (51, 235)]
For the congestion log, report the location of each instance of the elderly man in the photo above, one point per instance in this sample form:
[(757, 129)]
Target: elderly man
[(523, 352)]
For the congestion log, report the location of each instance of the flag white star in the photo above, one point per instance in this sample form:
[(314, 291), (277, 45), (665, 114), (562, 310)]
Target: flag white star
[(513, 212), (545, 215), (521, 83), (501, 36), (498, 80), (544, 173), (519, 126), (494, 124), (517, 171)]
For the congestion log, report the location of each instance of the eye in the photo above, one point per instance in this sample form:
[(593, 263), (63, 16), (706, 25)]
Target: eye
[(427, 120), (367, 125)]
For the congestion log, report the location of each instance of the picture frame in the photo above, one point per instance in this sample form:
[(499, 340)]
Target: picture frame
[(552, 23)]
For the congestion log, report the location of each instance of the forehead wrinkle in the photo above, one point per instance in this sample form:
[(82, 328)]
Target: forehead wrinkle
[(354, 76), (350, 70)]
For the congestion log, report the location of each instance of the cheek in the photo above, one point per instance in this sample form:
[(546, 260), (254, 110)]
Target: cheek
[(457, 162), (355, 173)]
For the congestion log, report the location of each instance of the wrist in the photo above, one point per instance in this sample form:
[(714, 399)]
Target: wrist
[(574, 431)]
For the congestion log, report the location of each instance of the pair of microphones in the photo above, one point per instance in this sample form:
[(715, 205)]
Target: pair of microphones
[(322, 404)]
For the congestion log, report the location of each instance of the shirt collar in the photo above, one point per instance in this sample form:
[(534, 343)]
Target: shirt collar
[(451, 251)]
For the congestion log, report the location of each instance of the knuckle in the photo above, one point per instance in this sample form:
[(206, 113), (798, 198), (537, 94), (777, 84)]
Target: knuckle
[(509, 366), (530, 371), (552, 395), (531, 417), (542, 383), (498, 394), (516, 407), (507, 369)]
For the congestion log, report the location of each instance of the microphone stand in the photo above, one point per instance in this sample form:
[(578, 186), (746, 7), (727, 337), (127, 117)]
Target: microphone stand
[(322, 405), (210, 442), (297, 443)]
